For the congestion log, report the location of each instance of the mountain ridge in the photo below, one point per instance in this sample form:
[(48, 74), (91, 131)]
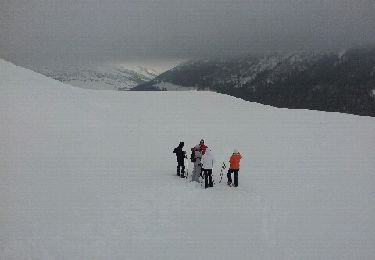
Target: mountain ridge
[(338, 82)]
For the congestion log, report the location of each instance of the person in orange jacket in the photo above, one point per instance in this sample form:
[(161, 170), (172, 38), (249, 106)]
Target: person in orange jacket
[(234, 167)]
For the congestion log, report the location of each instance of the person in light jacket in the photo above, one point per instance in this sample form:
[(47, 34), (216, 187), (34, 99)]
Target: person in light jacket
[(207, 164), (197, 163)]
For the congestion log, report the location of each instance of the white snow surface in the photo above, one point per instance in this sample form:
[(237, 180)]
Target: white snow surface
[(88, 174)]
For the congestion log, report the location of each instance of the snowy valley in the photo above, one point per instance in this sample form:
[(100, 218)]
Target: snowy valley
[(100, 78), (90, 174)]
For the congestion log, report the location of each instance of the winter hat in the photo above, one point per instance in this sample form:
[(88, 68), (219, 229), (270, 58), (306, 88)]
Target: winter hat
[(235, 151), (202, 141)]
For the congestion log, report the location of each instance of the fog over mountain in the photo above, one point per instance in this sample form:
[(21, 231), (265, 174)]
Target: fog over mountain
[(71, 32)]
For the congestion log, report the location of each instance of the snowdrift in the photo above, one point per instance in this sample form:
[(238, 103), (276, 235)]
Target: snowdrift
[(91, 175)]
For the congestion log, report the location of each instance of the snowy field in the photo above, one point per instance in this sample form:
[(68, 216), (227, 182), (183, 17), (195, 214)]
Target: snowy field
[(90, 174)]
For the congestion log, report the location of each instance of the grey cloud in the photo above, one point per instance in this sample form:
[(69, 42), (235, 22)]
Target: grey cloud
[(82, 30)]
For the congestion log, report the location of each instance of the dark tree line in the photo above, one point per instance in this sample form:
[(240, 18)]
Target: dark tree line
[(324, 82)]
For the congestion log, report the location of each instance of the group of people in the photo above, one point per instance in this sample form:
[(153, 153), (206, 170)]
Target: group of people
[(204, 161)]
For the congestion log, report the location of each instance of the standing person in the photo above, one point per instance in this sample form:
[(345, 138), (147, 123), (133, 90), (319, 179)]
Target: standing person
[(180, 156), (207, 165), (196, 156), (202, 146), (196, 159), (234, 167)]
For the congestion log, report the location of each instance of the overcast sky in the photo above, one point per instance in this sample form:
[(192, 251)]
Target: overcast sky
[(116, 30)]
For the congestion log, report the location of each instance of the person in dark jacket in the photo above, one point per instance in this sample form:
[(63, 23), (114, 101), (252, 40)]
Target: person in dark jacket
[(180, 156)]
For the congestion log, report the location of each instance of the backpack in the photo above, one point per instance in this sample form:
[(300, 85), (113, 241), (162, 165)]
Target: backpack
[(192, 155)]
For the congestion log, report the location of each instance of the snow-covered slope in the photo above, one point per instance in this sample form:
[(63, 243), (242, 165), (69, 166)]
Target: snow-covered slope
[(90, 175)]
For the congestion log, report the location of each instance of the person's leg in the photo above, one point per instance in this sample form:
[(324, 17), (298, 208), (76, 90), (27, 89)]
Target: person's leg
[(229, 173), (235, 173), (181, 166), (211, 184), (193, 175), (206, 184), (182, 171), (197, 171), (178, 170)]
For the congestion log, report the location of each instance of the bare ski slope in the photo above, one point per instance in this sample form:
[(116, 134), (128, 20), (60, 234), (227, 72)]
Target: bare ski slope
[(91, 175)]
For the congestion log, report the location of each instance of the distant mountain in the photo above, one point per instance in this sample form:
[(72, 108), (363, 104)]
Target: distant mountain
[(343, 82), (120, 78)]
